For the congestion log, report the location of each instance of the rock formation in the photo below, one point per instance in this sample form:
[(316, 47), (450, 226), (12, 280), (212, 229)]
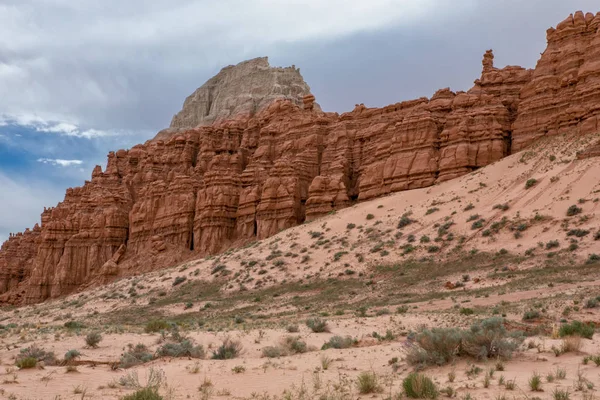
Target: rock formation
[(241, 90), (236, 167)]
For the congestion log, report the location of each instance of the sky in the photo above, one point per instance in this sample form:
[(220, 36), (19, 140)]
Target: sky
[(81, 78)]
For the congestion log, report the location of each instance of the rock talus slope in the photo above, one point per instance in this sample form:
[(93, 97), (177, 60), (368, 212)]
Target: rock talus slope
[(234, 168)]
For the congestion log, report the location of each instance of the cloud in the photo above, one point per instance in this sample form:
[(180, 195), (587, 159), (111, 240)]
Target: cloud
[(58, 161)]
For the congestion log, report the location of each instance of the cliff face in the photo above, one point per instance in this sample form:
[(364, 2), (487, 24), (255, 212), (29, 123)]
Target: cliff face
[(243, 89), (190, 192)]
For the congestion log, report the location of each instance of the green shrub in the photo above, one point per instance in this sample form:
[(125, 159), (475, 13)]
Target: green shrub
[(135, 355), (467, 311), (531, 315), (271, 352), (294, 345), (478, 224), (37, 353), (26, 362), (578, 233), (593, 258), (370, 216), (433, 249), (577, 328), (530, 183), (535, 382), (228, 350), (485, 339), (184, 348), (591, 303), (502, 207), (317, 325), (294, 328), (179, 280), (339, 342), (72, 354), (405, 221), (597, 236), (432, 210), (74, 325), (573, 210), (93, 339), (368, 382), (419, 386), (157, 325), (143, 394), (552, 244)]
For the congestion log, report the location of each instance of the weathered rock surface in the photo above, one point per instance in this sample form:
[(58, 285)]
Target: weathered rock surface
[(195, 190), (241, 90), (563, 95)]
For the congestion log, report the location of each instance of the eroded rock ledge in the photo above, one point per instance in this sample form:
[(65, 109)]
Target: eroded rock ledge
[(248, 175)]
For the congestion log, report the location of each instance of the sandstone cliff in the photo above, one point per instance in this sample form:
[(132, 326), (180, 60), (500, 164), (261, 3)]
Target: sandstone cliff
[(241, 90), (278, 163)]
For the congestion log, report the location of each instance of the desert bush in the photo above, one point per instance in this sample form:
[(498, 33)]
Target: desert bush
[(485, 339), (419, 386), (597, 236), (317, 325), (571, 344), (466, 311), (578, 233), (502, 207), (573, 210), (184, 348), (370, 216), (294, 328), (294, 345), (228, 350), (143, 394), (37, 353), (577, 328), (552, 244), (157, 325), (72, 354), (135, 355), (93, 339), (593, 258), (74, 325), (531, 315), (432, 210), (530, 183), (271, 352), (179, 280), (437, 346), (339, 342), (405, 220), (368, 382), (26, 362), (591, 303), (535, 382)]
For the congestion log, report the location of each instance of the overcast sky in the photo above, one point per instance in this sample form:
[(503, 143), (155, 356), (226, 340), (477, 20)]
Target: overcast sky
[(79, 78)]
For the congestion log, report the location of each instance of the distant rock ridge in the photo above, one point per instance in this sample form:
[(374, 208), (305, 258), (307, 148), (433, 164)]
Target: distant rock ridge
[(229, 174), (241, 90)]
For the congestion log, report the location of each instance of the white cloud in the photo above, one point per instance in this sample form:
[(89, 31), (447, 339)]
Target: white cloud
[(39, 124), (58, 161)]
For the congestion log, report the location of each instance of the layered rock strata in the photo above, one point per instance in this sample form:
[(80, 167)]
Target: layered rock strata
[(243, 89), (195, 190)]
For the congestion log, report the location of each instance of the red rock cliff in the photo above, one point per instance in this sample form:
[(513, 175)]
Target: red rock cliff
[(191, 192)]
